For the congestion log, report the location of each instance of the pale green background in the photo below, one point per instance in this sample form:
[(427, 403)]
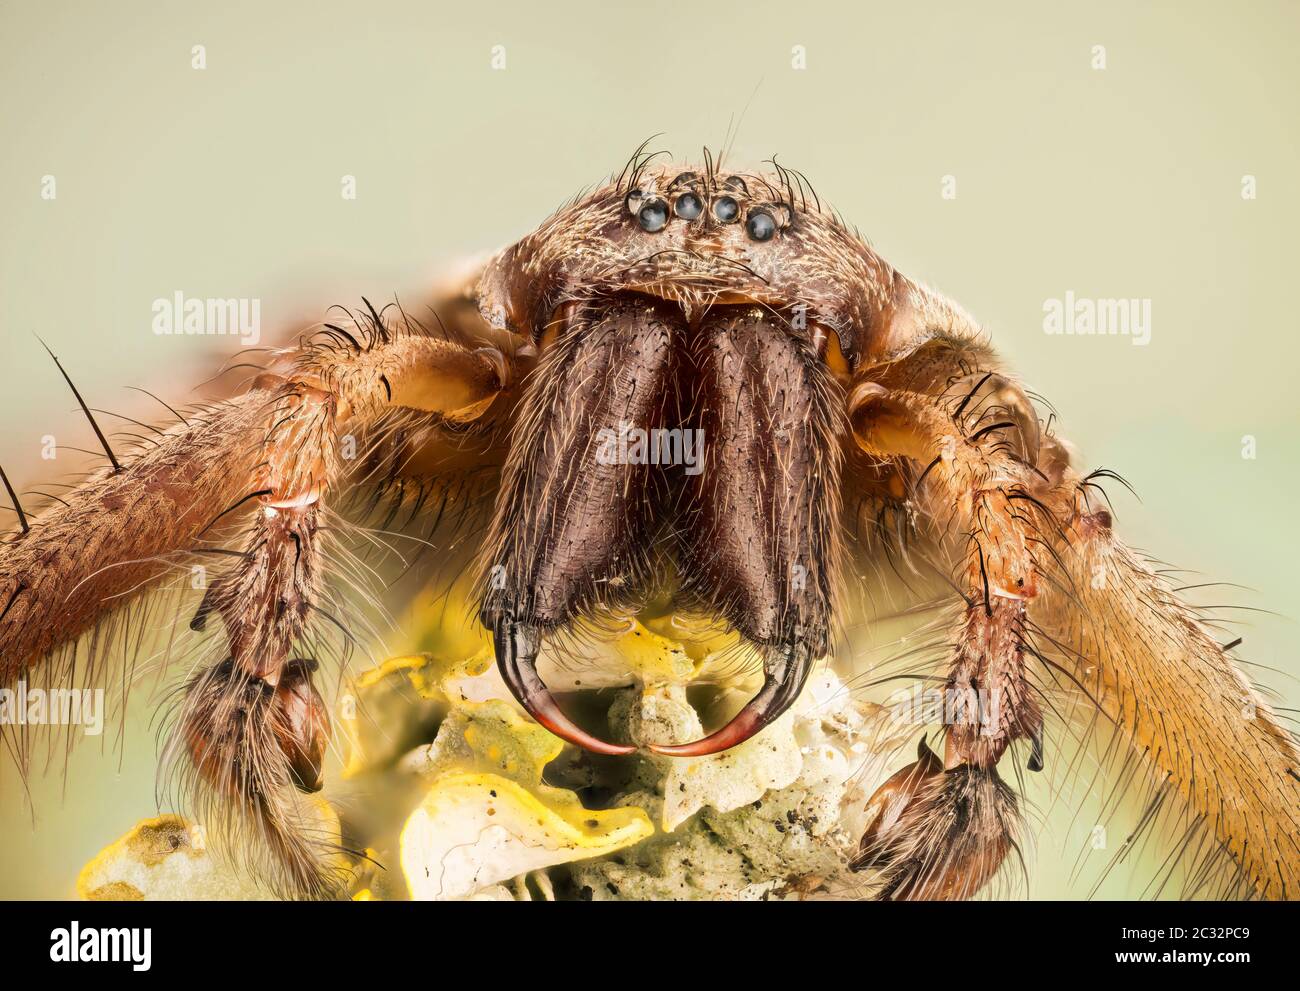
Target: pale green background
[(225, 182)]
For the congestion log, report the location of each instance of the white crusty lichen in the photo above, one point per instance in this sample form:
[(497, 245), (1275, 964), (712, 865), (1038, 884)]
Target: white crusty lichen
[(453, 792), (778, 816)]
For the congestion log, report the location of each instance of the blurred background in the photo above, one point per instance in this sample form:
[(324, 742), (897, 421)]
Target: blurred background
[(1100, 149)]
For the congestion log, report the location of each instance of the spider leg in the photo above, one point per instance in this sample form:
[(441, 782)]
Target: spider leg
[(253, 725), (973, 476), (1160, 674), (112, 536), (258, 753), (1041, 570)]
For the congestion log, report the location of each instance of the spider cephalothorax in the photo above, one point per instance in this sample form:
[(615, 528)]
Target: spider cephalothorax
[(700, 237), (694, 386)]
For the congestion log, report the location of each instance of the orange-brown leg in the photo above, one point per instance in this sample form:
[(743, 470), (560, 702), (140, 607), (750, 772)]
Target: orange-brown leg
[(1040, 569)]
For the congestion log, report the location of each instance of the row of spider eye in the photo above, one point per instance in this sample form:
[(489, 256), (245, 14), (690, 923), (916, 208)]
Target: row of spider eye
[(651, 212)]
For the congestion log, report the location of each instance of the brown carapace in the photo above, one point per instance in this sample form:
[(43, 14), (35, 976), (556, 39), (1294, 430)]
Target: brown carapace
[(837, 411)]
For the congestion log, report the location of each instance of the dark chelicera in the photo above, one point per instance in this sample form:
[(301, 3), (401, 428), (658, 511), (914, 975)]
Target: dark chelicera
[(751, 535)]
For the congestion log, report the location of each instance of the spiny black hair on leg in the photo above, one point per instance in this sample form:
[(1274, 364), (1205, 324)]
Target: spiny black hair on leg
[(16, 504), (108, 449)]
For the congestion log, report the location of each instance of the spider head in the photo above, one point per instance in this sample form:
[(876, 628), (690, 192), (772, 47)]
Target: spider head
[(701, 238)]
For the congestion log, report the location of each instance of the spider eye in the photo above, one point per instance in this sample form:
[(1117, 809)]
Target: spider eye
[(632, 202), (726, 209), (653, 215), (688, 206), (760, 226)]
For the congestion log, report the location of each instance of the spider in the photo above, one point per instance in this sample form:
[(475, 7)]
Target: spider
[(844, 411)]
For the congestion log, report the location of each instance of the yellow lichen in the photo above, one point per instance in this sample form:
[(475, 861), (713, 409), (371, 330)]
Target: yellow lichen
[(160, 858), (393, 707), (653, 657), (487, 816), (167, 859), (698, 636), (114, 891), (474, 830)]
